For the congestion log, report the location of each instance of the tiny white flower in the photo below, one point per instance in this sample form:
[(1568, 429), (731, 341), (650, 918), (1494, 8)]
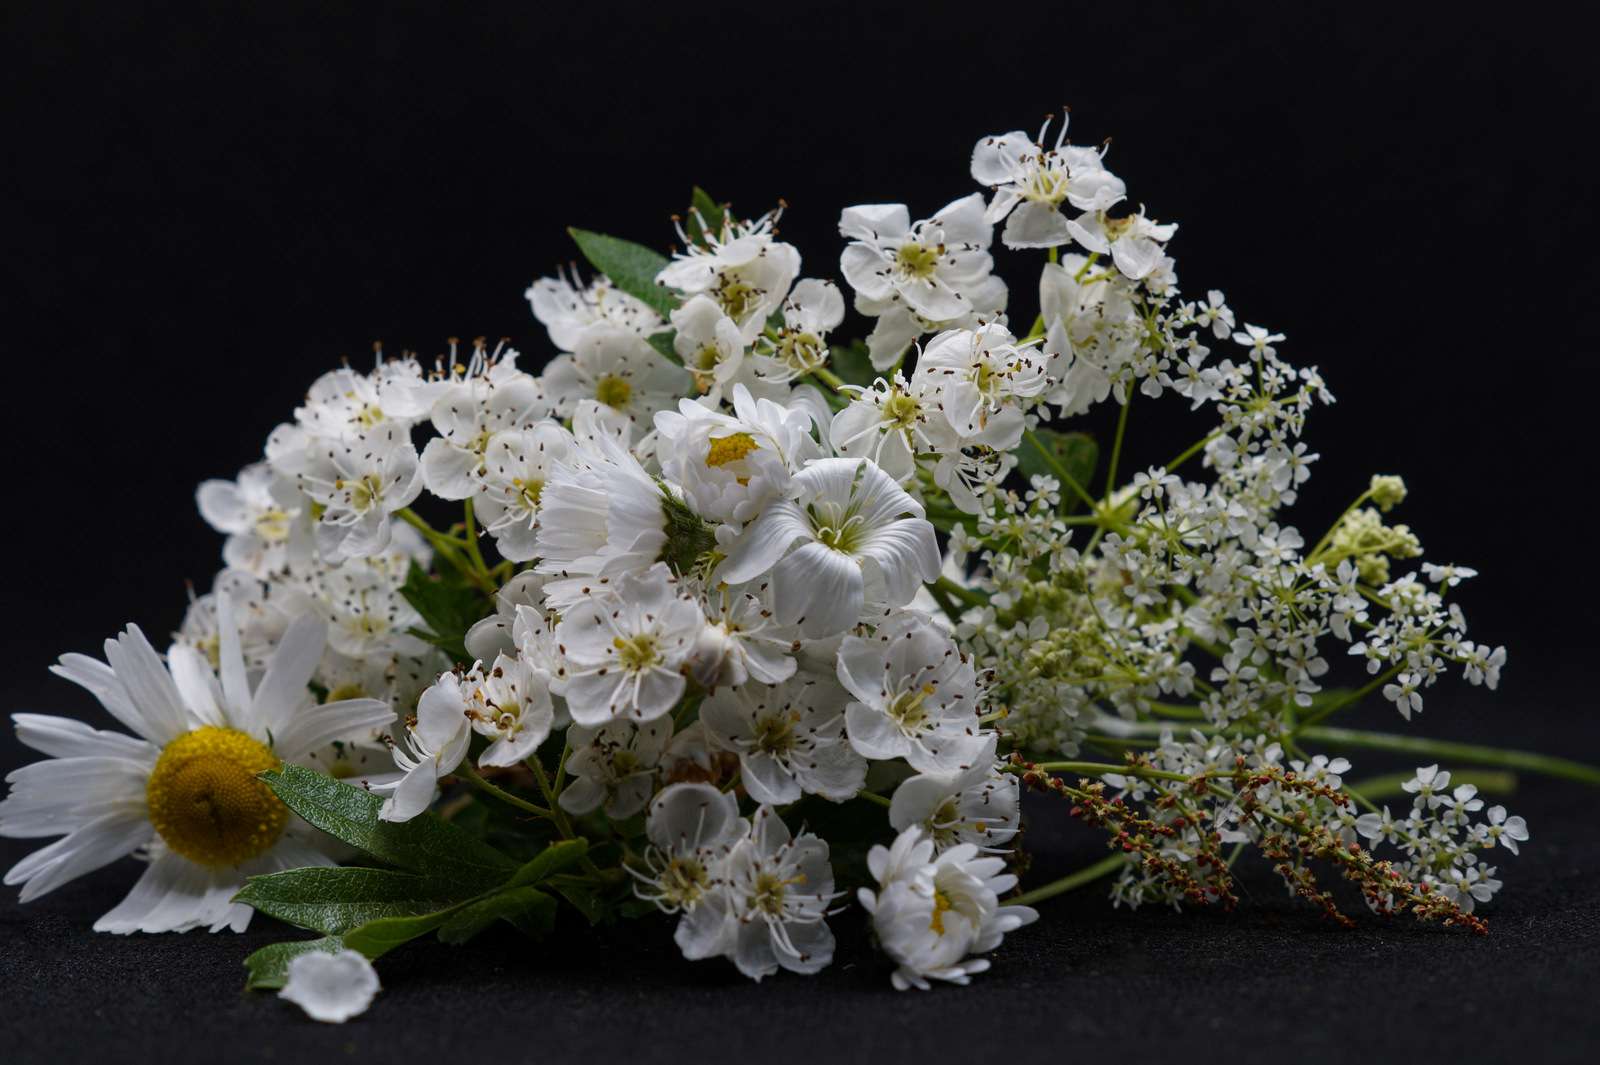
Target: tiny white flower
[(979, 806), (513, 709), (260, 512), (359, 484), (931, 266), (813, 310), (982, 377), (568, 309), (740, 267), (613, 767), (617, 376), (468, 412), (516, 465), (779, 888), (331, 987), (1031, 183)]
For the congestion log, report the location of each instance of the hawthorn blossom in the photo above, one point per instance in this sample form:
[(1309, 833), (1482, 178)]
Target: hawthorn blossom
[(613, 767), (741, 268), (789, 739), (1031, 183), (261, 513), (359, 484)]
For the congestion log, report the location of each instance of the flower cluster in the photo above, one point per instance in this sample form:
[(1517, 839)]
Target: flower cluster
[(730, 602)]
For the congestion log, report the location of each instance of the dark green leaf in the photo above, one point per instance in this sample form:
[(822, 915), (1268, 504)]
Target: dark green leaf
[(631, 267), (1076, 452), (377, 938), (853, 363), (448, 608), (663, 342), (333, 900), (528, 909), (424, 844), (268, 968), (583, 900), (552, 859)]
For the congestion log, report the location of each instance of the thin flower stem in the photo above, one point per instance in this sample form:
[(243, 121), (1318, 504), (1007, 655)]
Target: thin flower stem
[(448, 548), (1549, 765), (872, 796), (1191, 451), (559, 816), (1116, 447), (1349, 700), (829, 378), (472, 541), (471, 775), (1059, 470), (966, 595), (1071, 881)]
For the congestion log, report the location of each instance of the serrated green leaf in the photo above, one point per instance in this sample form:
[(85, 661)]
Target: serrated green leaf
[(333, 900), (268, 968), (449, 609), (551, 860), (526, 908), (703, 209), (631, 267), (853, 363), (425, 844), (1076, 452)]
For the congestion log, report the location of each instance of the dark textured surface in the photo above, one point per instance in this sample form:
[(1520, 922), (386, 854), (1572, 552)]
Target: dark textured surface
[(204, 207), (1086, 981)]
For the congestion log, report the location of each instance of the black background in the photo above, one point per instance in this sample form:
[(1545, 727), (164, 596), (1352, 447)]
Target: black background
[(202, 208)]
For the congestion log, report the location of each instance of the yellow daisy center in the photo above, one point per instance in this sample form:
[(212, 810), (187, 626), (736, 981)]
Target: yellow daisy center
[(205, 801)]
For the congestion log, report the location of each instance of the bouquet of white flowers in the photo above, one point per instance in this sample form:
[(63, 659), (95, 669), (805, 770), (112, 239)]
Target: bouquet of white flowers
[(739, 622)]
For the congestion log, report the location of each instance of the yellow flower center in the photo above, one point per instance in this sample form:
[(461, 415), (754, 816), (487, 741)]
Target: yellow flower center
[(907, 709), (941, 906), (531, 489), (205, 801), (726, 449), (917, 260), (737, 299), (272, 525), (637, 653), (613, 391), (901, 410)]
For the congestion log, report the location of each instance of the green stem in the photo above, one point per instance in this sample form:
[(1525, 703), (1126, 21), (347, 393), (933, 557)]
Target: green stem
[(966, 595), (1191, 451), (472, 541), (447, 548), (1071, 881), (559, 816), (1116, 447), (1529, 761), (1059, 470), (472, 777), (872, 796), (1354, 697), (829, 378)]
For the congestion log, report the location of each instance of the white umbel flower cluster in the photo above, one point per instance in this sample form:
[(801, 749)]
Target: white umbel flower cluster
[(720, 604)]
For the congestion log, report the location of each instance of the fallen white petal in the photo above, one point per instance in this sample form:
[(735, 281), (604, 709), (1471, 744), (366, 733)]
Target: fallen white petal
[(331, 987)]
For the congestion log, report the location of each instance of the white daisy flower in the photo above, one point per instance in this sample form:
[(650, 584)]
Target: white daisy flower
[(183, 791), (789, 739), (855, 527), (916, 697), (624, 649), (931, 914)]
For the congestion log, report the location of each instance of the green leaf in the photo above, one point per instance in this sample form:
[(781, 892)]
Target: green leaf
[(527, 909), (378, 937), (268, 968), (425, 844), (853, 363), (583, 900), (709, 211), (1077, 452), (448, 608), (551, 860), (333, 900), (663, 343), (631, 267)]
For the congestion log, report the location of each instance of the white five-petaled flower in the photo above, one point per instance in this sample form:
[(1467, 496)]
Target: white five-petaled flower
[(513, 709), (183, 790), (916, 697), (434, 744), (1032, 182), (617, 376), (891, 423), (741, 267), (568, 309), (982, 377), (624, 649), (359, 483), (813, 310), (778, 889), (935, 267), (614, 767), (978, 806), (933, 912), (516, 465), (860, 534), (261, 513), (692, 827), (468, 412), (789, 739)]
